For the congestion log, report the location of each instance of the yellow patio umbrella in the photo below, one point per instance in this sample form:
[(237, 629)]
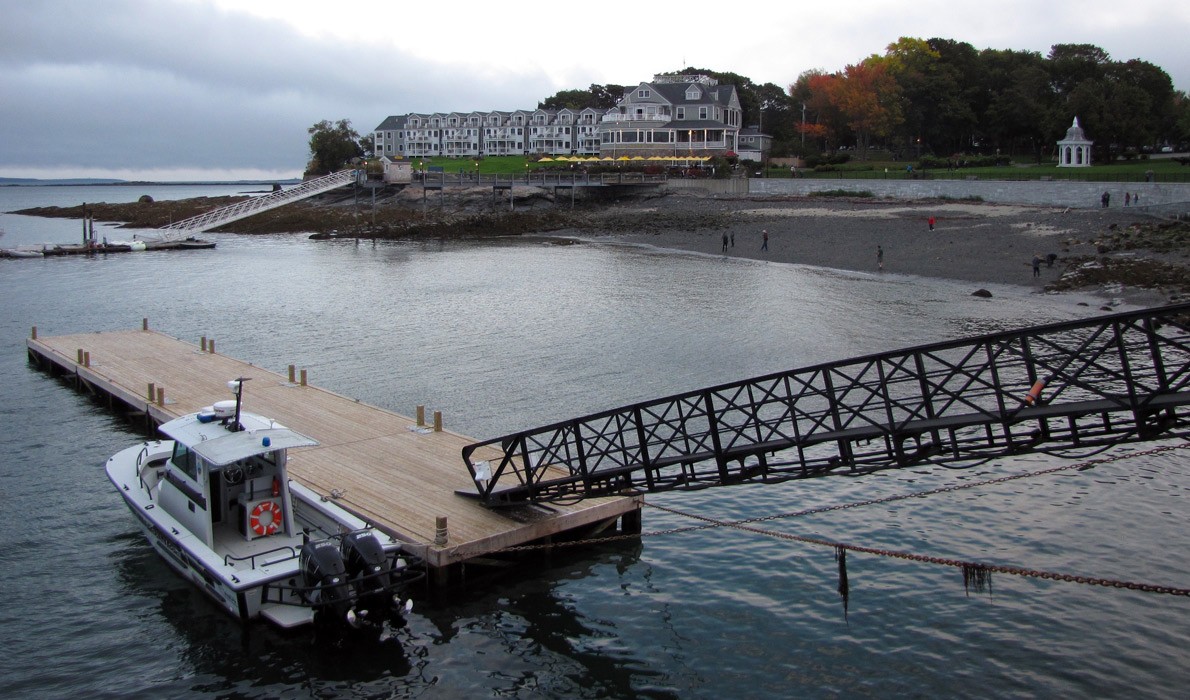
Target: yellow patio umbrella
[(546, 159), (562, 158), (623, 158)]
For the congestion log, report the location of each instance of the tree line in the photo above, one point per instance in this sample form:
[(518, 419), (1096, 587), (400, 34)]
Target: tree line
[(944, 97), (921, 97)]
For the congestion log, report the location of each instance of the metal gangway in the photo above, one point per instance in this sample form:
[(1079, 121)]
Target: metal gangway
[(1066, 389), (255, 205)]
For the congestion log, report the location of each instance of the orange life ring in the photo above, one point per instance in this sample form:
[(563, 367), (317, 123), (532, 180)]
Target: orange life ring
[(265, 518)]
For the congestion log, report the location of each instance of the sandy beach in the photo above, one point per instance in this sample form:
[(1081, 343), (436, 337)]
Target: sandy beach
[(970, 241)]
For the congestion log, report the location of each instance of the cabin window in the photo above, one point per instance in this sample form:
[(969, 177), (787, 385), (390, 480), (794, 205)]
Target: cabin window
[(185, 460)]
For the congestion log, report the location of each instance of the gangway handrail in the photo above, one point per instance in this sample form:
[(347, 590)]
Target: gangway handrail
[(255, 205), (1063, 387)]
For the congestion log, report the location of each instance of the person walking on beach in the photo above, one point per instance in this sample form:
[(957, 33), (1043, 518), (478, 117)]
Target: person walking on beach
[(931, 223), (1127, 198), (1036, 265), (725, 243), (765, 245), (733, 239), (1105, 199), (879, 258)]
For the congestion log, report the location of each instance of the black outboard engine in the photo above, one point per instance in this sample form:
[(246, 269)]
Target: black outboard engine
[(368, 571), (326, 576)]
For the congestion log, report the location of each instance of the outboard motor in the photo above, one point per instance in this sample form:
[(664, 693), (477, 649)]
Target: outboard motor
[(368, 571), (325, 574)]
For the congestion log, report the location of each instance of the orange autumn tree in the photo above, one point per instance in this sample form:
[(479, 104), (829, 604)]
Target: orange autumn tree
[(823, 121), (867, 98)]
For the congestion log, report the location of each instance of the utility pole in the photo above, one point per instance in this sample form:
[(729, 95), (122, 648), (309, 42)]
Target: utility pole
[(803, 128)]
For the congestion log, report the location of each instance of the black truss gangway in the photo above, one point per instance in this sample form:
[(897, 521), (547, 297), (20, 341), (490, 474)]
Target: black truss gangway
[(1065, 388)]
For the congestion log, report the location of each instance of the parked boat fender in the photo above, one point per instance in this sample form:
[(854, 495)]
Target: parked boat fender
[(1035, 392)]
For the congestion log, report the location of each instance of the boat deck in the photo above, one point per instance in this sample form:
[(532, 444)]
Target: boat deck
[(377, 464)]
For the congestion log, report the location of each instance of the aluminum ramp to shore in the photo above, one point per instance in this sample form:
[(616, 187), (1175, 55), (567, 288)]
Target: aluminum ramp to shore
[(1069, 387), (373, 462), (255, 205)]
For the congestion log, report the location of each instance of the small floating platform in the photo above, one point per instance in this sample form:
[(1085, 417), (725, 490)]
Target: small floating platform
[(391, 470), (105, 248)]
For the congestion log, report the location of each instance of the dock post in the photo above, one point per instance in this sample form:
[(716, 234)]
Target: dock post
[(292, 370), (421, 416), (144, 324), (203, 343), (35, 332), (211, 346), (152, 391), (303, 377), (79, 359), (87, 359), (160, 396), (441, 534), (437, 421), (630, 522)]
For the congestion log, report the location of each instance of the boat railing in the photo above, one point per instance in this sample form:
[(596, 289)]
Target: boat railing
[(404, 569), (251, 558)]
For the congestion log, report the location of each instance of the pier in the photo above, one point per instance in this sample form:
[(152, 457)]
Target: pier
[(400, 473)]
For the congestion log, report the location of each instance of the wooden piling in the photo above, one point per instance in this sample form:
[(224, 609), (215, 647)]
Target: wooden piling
[(437, 421)]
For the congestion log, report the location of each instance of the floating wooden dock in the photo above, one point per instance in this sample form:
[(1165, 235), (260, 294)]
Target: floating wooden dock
[(384, 467)]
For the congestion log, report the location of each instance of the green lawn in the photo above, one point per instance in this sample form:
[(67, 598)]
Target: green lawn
[(1164, 170)]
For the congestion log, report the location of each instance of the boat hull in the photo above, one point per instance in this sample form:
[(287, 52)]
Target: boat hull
[(247, 574)]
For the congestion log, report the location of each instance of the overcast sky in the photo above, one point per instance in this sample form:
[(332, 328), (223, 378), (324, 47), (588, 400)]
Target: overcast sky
[(218, 89)]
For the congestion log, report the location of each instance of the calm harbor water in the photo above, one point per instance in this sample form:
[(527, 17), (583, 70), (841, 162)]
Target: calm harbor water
[(505, 335)]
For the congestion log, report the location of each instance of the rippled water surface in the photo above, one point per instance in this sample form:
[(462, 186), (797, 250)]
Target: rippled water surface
[(506, 335)]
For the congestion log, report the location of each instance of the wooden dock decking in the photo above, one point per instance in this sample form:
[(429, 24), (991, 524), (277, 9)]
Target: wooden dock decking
[(376, 463)]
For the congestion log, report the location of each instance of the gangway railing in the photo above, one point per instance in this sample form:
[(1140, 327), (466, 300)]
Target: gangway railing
[(255, 205), (1065, 388)]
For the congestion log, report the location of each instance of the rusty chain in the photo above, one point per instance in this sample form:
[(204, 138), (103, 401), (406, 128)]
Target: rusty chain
[(743, 525)]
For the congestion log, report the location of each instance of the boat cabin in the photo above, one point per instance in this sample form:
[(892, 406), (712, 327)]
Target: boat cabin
[(227, 474)]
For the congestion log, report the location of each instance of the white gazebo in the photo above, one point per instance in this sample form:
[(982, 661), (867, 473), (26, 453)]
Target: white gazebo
[(1074, 151)]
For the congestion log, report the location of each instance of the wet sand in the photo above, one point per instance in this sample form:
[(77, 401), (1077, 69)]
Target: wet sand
[(974, 242)]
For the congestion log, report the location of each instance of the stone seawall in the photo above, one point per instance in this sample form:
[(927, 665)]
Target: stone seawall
[(1060, 193)]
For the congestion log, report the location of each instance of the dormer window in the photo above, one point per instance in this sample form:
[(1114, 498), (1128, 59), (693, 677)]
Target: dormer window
[(644, 93), (693, 93)]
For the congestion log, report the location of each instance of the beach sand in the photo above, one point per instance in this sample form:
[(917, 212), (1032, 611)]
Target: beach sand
[(973, 242)]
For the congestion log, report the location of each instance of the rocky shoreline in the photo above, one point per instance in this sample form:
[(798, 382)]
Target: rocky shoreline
[(1114, 252)]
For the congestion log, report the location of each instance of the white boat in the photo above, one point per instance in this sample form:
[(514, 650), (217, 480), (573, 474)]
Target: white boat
[(216, 502), (22, 253)]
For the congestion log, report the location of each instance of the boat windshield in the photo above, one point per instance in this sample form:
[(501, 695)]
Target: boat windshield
[(185, 460)]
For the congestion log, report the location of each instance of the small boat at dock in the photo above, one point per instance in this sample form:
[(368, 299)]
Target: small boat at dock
[(216, 502)]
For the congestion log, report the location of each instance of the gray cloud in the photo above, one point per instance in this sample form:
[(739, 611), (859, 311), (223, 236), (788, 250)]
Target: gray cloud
[(151, 85), (127, 85)]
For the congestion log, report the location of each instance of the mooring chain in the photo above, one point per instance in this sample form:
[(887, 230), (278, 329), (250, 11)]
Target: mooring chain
[(978, 568)]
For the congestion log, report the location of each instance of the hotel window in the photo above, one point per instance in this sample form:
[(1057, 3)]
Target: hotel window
[(644, 93)]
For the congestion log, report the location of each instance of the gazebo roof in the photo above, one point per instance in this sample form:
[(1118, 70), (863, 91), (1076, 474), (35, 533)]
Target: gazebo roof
[(1075, 134)]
